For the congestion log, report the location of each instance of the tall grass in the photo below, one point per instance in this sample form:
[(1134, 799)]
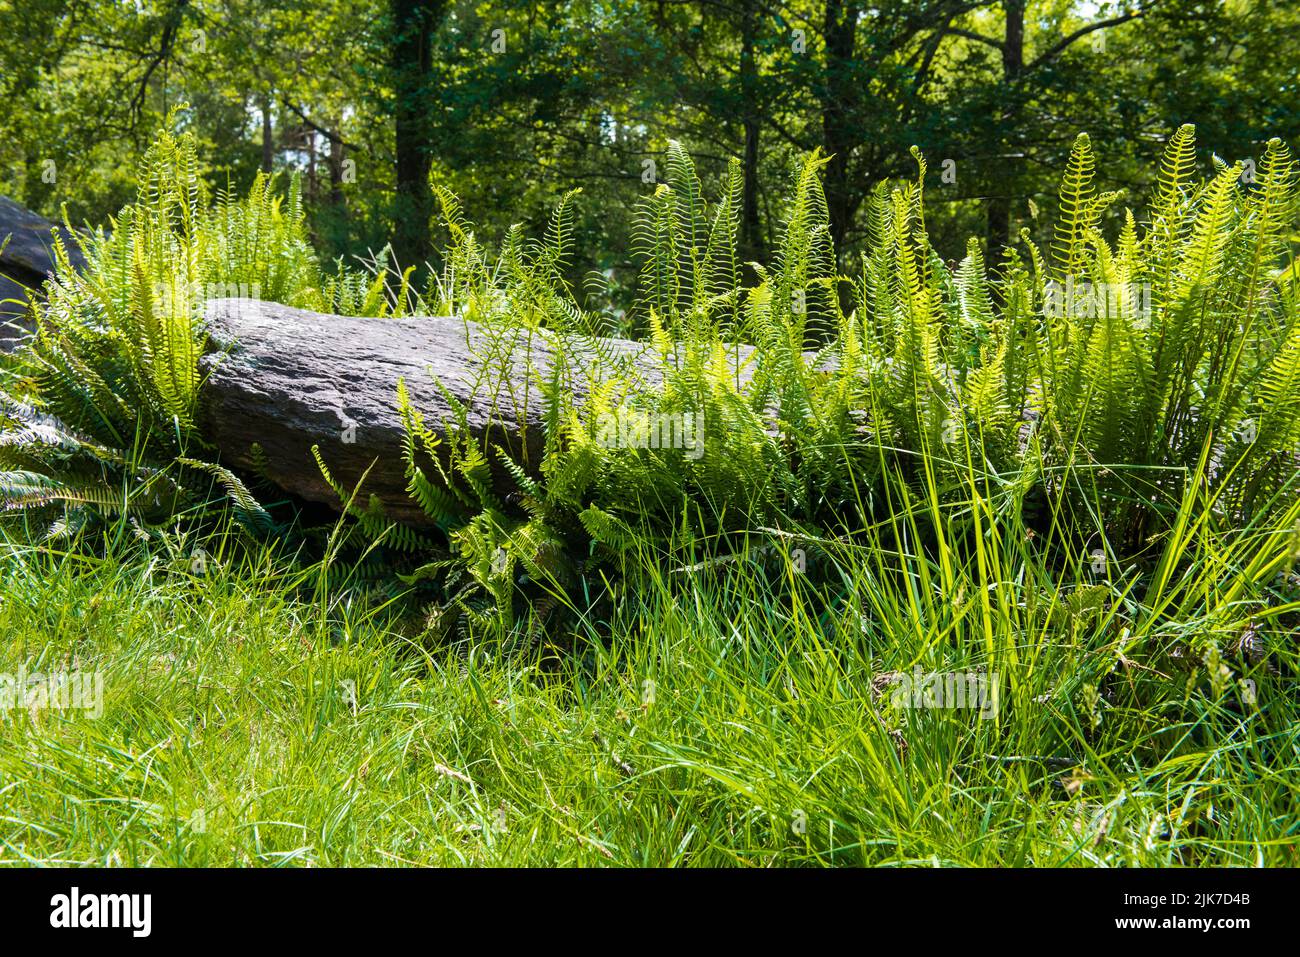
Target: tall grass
[(728, 713)]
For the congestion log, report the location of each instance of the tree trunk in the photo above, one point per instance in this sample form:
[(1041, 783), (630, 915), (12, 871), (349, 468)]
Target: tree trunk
[(840, 32), (751, 238), (1013, 64), (336, 168), (415, 23), (268, 135)]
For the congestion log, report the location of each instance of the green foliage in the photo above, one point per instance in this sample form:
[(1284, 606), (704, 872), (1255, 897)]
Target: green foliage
[(1088, 399), (803, 399)]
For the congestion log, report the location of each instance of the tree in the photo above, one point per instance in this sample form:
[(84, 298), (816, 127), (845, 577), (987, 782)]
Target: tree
[(414, 23)]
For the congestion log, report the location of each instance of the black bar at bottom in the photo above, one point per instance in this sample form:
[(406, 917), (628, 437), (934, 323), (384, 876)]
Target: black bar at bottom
[(335, 907)]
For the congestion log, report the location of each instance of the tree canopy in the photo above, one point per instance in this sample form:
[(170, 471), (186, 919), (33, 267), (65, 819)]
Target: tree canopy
[(512, 103)]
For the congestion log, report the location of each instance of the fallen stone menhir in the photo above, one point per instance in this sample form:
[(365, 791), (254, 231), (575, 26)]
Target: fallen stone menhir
[(287, 379), (26, 261)]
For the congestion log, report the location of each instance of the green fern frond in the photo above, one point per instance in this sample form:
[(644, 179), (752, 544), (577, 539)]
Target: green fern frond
[(247, 507), (1078, 211)]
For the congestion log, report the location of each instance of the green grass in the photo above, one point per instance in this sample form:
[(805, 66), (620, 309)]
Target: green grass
[(733, 714)]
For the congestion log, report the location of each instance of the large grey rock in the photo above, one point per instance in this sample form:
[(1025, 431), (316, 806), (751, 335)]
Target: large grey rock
[(288, 379), (26, 261), (31, 246)]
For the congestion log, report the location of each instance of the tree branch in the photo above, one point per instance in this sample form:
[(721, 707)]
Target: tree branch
[(1078, 34)]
